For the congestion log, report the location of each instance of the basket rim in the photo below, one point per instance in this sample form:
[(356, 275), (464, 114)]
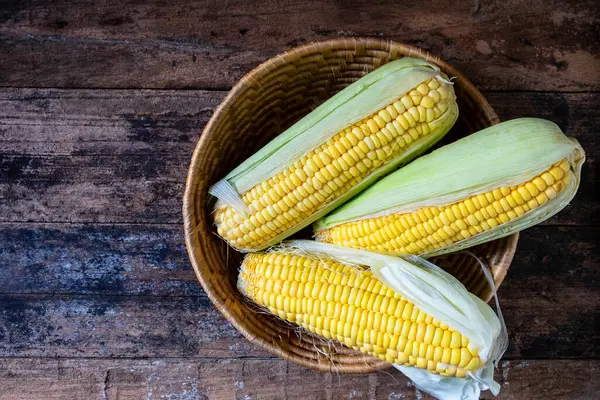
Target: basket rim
[(194, 240)]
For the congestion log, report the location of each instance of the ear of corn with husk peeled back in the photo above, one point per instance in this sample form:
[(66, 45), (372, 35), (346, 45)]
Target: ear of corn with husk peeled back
[(383, 120), (485, 186), (406, 311)]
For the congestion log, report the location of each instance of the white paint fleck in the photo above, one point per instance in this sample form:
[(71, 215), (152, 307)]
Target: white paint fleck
[(524, 364), (483, 47), (191, 394), (347, 32), (239, 385), (236, 347), (395, 396), (505, 368), (151, 378), (418, 394), (104, 385), (355, 395)]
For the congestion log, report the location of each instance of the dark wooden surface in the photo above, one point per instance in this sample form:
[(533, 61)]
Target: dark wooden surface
[(101, 104)]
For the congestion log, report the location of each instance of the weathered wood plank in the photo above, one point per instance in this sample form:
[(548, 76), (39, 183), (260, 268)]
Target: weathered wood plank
[(121, 156), (499, 45), (551, 294), (117, 327), (101, 156), (103, 122), (102, 259), (214, 379), (549, 297)]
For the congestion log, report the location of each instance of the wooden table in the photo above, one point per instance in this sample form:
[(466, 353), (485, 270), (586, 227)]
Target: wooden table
[(101, 105)]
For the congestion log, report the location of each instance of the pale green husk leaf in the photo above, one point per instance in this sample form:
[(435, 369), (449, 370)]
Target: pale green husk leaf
[(506, 154)]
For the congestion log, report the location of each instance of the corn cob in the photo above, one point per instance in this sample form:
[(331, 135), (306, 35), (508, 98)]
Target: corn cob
[(470, 216), (431, 228), (340, 302), (296, 193), (350, 305)]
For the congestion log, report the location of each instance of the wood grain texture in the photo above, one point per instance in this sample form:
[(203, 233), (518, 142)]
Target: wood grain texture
[(130, 280), (117, 327), (121, 156), (64, 259), (552, 289), (520, 45), (242, 379), (77, 156)]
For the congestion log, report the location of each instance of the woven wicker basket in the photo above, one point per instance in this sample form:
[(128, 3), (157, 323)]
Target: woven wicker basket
[(263, 104)]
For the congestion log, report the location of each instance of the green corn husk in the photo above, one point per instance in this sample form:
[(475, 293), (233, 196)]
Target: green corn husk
[(371, 93), (507, 154)]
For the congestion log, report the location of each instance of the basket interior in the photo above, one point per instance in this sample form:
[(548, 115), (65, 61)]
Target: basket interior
[(263, 104)]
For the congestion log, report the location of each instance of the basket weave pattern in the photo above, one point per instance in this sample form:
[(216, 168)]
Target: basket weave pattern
[(263, 104)]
